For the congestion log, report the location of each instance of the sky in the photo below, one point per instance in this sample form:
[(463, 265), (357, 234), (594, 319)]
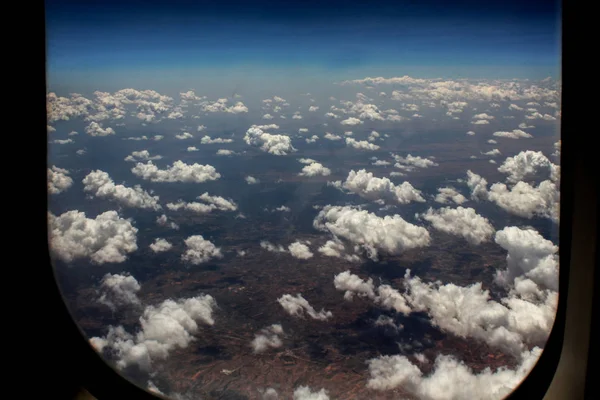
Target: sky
[(129, 43)]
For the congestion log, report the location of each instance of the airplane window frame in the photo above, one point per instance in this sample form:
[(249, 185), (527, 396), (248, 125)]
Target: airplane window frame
[(82, 367)]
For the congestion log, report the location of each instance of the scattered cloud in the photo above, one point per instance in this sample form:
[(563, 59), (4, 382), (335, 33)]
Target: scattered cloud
[(389, 234), (184, 135), (300, 250), (106, 239), (514, 134), (372, 188), (100, 184), (143, 155), (178, 172), (447, 194), (361, 144), (164, 221), (298, 306), (331, 136), (58, 180), (119, 290), (208, 140), (315, 169), (306, 393), (165, 327), (279, 145), (200, 250), (95, 129), (461, 221), (160, 245), (267, 338), (250, 180)]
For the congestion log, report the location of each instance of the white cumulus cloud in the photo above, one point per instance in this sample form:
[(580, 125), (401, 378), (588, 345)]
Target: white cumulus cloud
[(106, 239)]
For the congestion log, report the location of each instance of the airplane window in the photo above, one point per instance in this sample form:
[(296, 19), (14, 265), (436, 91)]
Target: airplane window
[(308, 201)]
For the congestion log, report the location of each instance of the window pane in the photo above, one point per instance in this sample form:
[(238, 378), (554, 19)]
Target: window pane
[(252, 201)]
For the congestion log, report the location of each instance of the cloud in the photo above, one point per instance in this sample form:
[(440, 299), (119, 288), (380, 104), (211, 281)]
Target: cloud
[(481, 122), (143, 155), (100, 184), (386, 296), (267, 338), (160, 245), (313, 108), (200, 250), (353, 285), (527, 164), (461, 221), (178, 172), (351, 121), (95, 129), (557, 147), (478, 186), (522, 199), (119, 290), (208, 140), (450, 378), (372, 188), (330, 136), (530, 256), (106, 239), (527, 201), (483, 116), (447, 194), (415, 161), (300, 250), (315, 169), (537, 115), (61, 141), (267, 116), (514, 134), (305, 393), (282, 208), (270, 394), (385, 81), (58, 180), (184, 135), (471, 133), (298, 306), (250, 180), (265, 244), (279, 145), (168, 326), (494, 152), (381, 163), (163, 221), (389, 234), (335, 248), (361, 145), (192, 148), (511, 325), (224, 152), (515, 107), (220, 105), (219, 202)]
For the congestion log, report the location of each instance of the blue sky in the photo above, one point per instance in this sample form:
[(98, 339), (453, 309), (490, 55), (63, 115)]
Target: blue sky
[(117, 42)]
